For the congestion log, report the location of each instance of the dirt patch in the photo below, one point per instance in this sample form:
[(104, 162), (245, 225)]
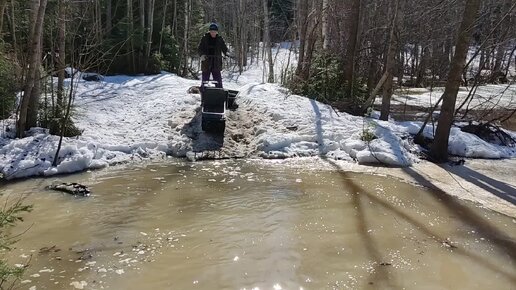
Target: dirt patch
[(236, 142)]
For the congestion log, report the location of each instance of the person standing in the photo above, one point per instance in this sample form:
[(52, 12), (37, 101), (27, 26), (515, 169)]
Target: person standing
[(210, 50)]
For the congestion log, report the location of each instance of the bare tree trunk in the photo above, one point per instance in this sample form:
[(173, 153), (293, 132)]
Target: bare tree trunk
[(372, 71), (415, 62), (309, 51), (487, 54), (500, 54), (419, 138), (370, 101), (423, 63), (39, 7), (302, 23), (3, 4), (174, 19), (64, 120), (240, 39), (61, 58), (185, 38), (98, 21), (439, 149), (266, 39), (401, 65), (33, 109), (482, 55), (508, 66), (150, 27), (109, 17), (130, 36), (244, 39), (389, 67), (163, 26), (325, 26), (13, 31), (33, 16), (141, 49), (445, 60), (349, 69)]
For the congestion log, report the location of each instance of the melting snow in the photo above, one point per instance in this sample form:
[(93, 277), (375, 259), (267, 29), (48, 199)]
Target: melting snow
[(128, 119)]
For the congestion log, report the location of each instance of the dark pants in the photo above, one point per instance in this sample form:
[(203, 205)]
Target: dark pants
[(216, 77)]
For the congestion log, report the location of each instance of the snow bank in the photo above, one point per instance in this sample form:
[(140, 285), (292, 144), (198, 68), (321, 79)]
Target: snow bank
[(485, 97), (298, 126), (128, 119), (124, 119)]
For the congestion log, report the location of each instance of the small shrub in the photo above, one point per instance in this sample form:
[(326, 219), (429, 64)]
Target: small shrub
[(367, 131), (7, 88), (54, 126), (155, 64), (9, 216), (326, 84), (169, 51), (367, 135), (325, 79)]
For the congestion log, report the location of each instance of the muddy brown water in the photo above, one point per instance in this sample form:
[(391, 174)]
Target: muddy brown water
[(252, 225)]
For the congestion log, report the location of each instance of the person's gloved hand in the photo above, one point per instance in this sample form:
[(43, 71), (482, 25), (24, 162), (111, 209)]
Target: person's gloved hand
[(204, 57)]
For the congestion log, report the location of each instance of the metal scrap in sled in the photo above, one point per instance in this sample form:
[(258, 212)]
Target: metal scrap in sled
[(214, 104)]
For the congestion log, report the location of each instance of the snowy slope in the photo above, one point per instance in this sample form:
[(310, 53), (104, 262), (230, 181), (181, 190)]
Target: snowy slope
[(128, 119), (485, 97)]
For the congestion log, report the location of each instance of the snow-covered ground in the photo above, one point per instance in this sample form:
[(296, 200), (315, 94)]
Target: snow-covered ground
[(148, 117), (502, 96), (484, 97)]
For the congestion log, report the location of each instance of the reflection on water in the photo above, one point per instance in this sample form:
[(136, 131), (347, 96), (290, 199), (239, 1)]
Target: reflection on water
[(243, 225)]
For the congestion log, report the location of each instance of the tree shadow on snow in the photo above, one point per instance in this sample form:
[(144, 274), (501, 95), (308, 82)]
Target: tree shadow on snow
[(318, 126), (498, 188), (468, 216), (110, 92), (123, 79)]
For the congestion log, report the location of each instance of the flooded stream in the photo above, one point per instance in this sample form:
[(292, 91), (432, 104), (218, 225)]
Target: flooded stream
[(249, 225)]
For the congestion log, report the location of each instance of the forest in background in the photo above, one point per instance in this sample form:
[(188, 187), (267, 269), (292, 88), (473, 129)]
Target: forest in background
[(348, 52)]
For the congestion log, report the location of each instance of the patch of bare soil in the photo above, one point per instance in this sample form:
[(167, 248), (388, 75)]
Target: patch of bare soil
[(236, 142)]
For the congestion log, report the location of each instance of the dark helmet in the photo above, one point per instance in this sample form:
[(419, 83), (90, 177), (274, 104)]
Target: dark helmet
[(214, 26)]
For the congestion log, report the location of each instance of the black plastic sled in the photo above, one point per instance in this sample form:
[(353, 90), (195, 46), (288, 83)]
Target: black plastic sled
[(214, 103), (232, 95)]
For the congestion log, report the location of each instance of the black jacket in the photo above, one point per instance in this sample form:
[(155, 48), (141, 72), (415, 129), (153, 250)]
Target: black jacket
[(213, 49)]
